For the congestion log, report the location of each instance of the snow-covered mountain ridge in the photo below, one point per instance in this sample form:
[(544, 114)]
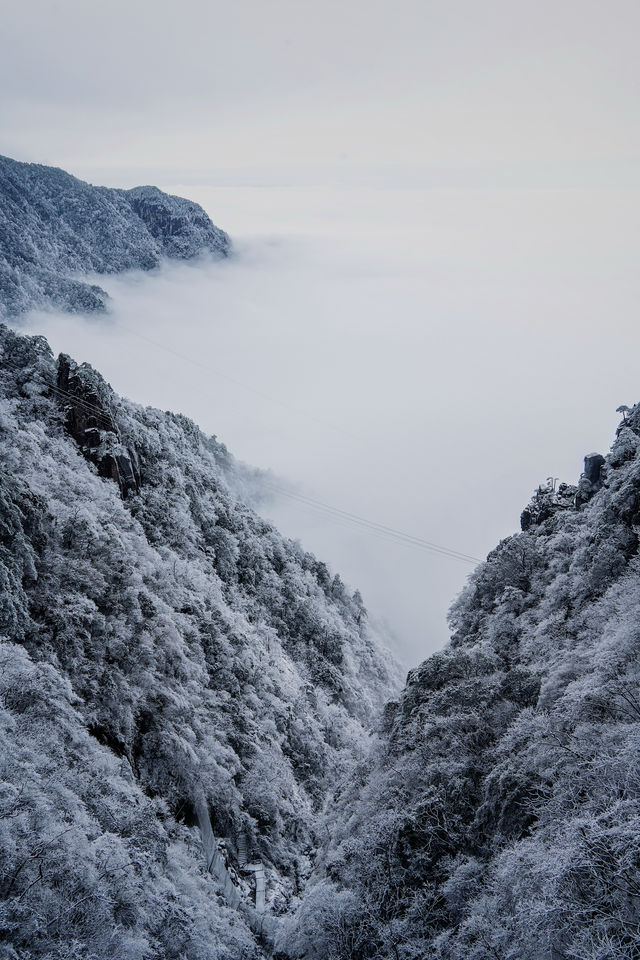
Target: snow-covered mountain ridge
[(498, 818), (164, 652), (54, 228)]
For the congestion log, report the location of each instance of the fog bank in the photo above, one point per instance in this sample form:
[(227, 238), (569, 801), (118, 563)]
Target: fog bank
[(422, 358)]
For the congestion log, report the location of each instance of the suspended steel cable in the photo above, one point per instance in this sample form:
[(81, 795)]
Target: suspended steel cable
[(34, 375), (398, 535), (239, 383), (334, 513)]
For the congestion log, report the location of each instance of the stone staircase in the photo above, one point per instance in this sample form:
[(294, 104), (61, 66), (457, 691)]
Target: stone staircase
[(242, 849)]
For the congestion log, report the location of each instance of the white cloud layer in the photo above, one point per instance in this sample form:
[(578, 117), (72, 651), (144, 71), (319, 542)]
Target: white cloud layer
[(421, 357)]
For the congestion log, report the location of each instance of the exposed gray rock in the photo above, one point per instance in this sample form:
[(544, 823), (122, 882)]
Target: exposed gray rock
[(89, 420), (593, 464), (591, 480)]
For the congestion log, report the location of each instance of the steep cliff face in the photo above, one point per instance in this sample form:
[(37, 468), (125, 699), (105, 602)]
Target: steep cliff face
[(172, 671), (85, 399), (54, 227), (499, 815)]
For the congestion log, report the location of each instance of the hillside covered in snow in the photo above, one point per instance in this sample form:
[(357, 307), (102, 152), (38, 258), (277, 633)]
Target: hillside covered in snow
[(177, 681), (498, 817), (187, 702), (54, 228)]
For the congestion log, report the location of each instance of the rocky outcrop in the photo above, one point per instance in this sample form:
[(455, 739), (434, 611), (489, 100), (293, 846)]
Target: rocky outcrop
[(591, 480), (90, 422), (546, 503), (181, 228), (54, 227)]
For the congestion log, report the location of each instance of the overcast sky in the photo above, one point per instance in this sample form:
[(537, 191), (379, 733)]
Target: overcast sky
[(435, 212), (496, 91)]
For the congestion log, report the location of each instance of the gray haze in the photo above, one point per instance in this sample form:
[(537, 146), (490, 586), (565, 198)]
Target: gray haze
[(435, 210), (446, 91), (424, 358)]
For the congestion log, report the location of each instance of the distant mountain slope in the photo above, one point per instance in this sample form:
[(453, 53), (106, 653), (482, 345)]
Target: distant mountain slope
[(499, 817), (163, 651), (54, 227)]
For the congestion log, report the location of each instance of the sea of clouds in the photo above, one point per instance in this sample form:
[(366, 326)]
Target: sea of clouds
[(423, 358)]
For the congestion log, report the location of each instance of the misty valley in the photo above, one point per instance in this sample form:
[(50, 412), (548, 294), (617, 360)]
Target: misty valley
[(209, 749)]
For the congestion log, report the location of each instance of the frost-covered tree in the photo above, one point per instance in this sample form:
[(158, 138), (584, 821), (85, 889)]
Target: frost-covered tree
[(498, 816), (54, 228), (164, 648)]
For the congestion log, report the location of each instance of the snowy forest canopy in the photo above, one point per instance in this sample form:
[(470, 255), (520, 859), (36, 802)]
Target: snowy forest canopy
[(54, 228), (163, 646)]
